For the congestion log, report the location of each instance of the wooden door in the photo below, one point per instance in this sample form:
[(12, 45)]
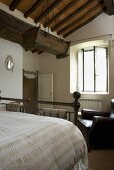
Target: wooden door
[(45, 88), (30, 91)]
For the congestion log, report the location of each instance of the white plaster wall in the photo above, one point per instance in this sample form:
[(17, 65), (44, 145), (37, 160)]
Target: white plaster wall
[(11, 82), (61, 75), (30, 61)]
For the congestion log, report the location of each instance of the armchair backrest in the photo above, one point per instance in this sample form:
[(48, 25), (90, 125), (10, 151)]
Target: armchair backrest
[(112, 104), (112, 108)]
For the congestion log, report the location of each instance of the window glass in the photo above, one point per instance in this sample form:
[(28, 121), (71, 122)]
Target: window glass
[(92, 70), (89, 71), (101, 69)]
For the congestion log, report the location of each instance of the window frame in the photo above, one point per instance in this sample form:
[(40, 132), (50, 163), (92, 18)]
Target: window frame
[(107, 76)]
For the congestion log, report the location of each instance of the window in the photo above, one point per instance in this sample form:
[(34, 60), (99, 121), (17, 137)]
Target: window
[(93, 69)]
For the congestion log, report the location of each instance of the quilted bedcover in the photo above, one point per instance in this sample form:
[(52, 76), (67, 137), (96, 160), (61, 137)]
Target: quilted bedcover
[(31, 142)]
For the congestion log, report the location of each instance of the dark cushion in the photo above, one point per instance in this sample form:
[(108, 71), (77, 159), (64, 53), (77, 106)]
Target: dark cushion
[(101, 133), (89, 114)]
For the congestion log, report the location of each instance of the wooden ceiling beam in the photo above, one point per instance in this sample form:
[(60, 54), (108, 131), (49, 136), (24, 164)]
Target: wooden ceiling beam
[(33, 8), (66, 20), (12, 28), (83, 24), (47, 11), (109, 7), (12, 22), (12, 36), (2, 30), (14, 4), (77, 21), (61, 13)]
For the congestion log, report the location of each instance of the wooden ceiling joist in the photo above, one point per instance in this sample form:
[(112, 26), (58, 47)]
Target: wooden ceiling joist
[(109, 7), (66, 20), (61, 13), (77, 21), (83, 24), (62, 16), (14, 4), (33, 8), (47, 11)]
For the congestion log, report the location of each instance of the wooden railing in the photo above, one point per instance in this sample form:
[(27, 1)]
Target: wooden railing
[(75, 104)]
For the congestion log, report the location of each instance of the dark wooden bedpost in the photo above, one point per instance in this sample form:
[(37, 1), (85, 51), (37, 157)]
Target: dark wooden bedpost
[(76, 105)]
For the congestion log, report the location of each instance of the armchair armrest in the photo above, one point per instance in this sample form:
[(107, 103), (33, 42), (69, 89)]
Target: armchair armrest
[(89, 114), (101, 134)]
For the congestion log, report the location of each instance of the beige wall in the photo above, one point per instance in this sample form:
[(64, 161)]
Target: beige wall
[(30, 61), (102, 25), (61, 75)]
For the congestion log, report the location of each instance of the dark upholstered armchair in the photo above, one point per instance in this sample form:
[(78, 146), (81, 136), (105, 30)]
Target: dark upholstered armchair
[(98, 128)]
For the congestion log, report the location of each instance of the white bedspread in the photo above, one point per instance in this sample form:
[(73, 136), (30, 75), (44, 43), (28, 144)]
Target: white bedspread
[(30, 142)]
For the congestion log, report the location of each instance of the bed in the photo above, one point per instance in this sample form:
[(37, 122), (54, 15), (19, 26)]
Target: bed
[(31, 142)]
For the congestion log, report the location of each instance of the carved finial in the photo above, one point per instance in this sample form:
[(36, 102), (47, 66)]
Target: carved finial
[(76, 95), (76, 104)]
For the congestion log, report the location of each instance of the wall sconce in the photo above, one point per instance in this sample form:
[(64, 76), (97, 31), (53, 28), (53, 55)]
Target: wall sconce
[(9, 63)]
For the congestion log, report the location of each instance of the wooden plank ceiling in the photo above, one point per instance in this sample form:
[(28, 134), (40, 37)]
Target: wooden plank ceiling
[(61, 16)]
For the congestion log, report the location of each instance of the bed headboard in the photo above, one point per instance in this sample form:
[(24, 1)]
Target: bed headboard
[(75, 104)]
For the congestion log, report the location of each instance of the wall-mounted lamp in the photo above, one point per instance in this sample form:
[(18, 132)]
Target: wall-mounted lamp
[(9, 63)]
